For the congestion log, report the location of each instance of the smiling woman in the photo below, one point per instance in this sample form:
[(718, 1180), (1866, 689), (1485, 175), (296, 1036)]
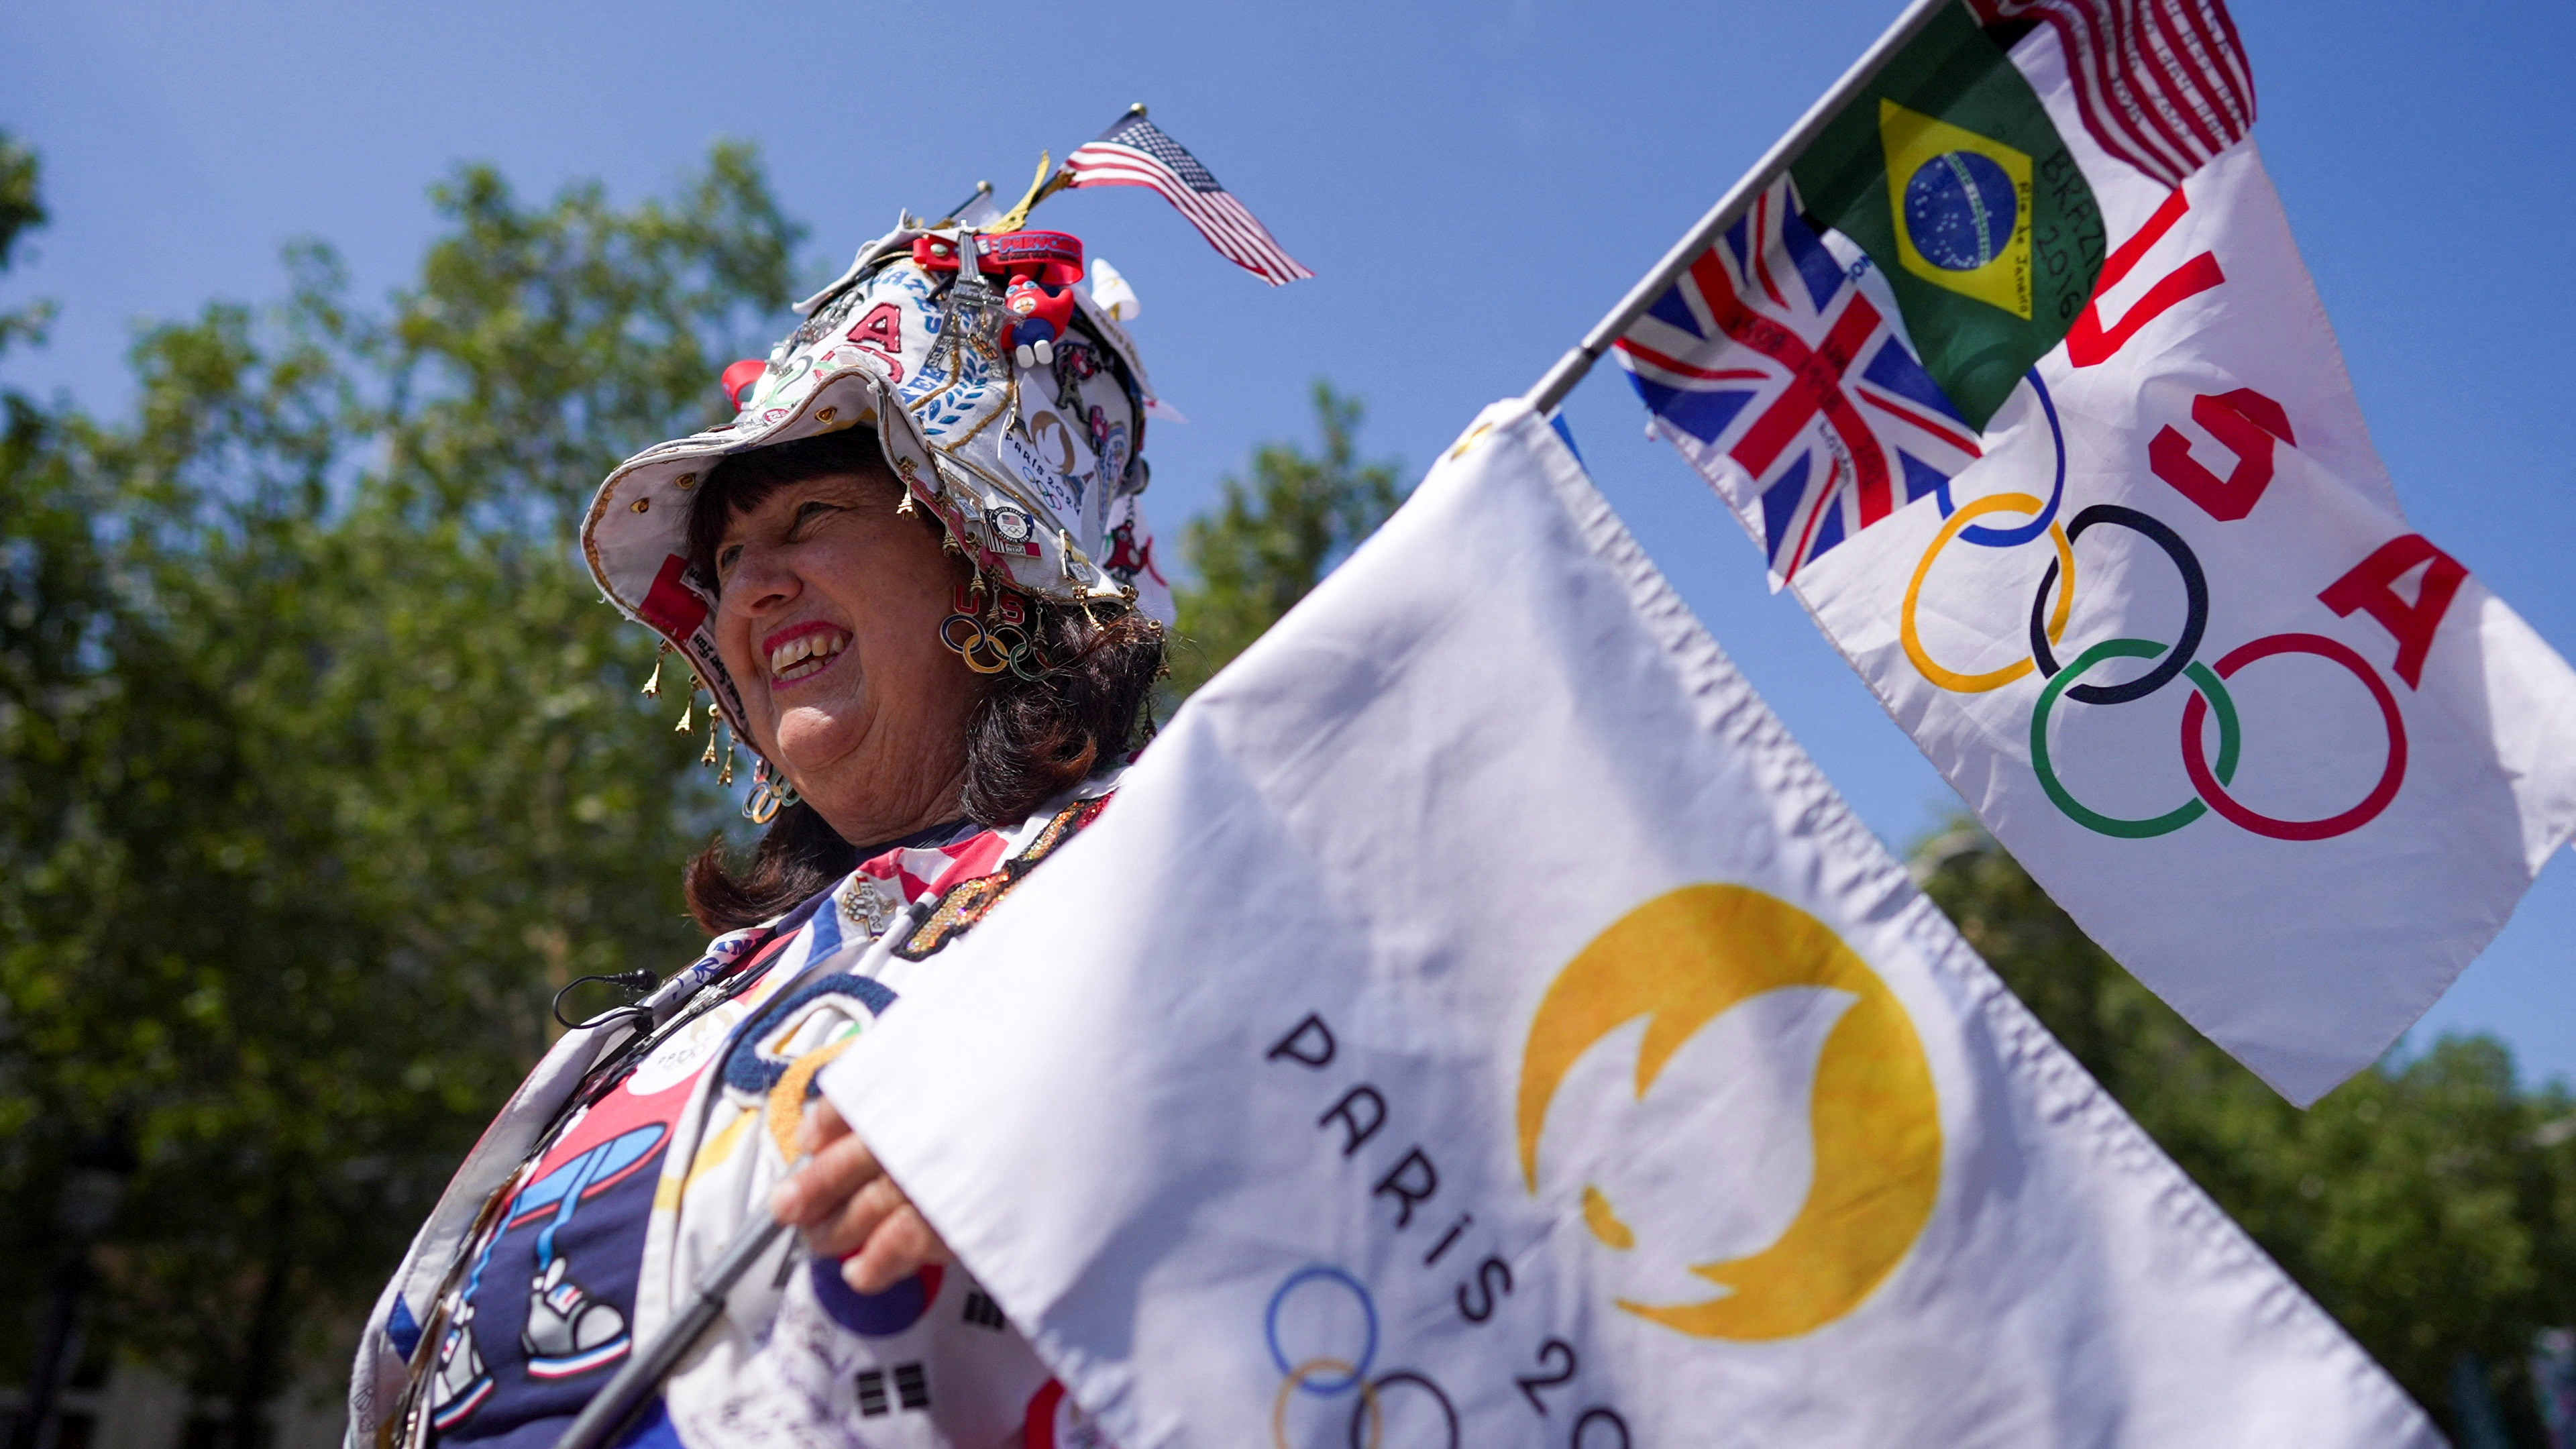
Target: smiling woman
[(830, 617), (913, 577)]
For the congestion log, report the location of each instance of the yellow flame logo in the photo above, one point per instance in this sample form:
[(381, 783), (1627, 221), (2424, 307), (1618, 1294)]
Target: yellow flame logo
[(1681, 960)]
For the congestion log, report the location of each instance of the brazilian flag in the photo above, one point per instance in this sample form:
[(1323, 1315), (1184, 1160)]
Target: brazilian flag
[(1949, 173)]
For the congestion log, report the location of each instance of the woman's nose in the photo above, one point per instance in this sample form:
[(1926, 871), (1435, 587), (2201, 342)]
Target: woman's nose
[(761, 581)]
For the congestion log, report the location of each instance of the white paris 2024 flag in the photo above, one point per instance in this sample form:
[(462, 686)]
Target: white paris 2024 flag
[(1475, 1023), (2019, 383)]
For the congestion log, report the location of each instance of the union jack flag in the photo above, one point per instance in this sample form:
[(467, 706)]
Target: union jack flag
[(1790, 390)]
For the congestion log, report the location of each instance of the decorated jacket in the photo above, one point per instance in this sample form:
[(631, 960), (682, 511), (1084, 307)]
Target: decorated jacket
[(638, 1148)]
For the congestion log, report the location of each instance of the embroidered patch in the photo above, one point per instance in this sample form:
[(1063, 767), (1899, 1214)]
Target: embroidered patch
[(966, 903)]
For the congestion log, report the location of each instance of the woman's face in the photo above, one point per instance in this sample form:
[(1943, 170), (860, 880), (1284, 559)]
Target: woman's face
[(828, 617)]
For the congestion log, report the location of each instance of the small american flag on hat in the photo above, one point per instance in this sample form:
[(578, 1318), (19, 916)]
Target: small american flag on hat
[(1135, 152)]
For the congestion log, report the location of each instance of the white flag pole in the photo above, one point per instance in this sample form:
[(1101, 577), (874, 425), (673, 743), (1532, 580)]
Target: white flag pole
[(1570, 368)]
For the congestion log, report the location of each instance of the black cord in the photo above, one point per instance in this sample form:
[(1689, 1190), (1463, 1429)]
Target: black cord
[(604, 1075), (634, 983)]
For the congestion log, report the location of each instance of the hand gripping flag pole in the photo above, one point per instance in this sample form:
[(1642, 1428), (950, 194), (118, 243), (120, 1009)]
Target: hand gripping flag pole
[(601, 1420), (1570, 368)]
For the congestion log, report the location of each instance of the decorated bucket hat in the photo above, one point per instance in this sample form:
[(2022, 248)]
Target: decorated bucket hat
[(1001, 389), (1010, 404)]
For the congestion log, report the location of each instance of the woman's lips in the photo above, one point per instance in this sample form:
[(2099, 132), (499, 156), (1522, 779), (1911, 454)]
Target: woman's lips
[(799, 654)]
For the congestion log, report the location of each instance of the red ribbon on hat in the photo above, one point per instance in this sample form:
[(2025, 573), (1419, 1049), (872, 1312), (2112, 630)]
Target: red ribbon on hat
[(1051, 257)]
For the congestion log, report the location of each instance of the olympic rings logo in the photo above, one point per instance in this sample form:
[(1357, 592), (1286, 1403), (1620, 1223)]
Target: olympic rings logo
[(996, 636), (1329, 1376), (2051, 607)]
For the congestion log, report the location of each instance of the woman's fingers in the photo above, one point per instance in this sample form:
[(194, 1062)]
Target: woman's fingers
[(838, 1169), (846, 1230), (899, 1247), (844, 1206), (822, 1125)]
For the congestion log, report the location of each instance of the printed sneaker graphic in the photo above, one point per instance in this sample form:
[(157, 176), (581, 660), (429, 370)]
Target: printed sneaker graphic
[(459, 1385), (569, 1332)]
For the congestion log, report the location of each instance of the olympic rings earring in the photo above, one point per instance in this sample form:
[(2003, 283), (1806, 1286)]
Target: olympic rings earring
[(768, 796), (989, 631), (974, 646), (1018, 651)]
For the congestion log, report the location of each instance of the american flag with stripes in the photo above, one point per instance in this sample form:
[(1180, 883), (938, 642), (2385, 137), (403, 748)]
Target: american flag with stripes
[(2162, 84), (1790, 390), (1135, 152)]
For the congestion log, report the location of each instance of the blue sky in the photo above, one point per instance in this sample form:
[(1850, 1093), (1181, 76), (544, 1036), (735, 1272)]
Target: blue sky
[(1473, 183)]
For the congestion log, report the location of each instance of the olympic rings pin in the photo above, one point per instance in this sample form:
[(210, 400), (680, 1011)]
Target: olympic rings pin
[(2053, 604)]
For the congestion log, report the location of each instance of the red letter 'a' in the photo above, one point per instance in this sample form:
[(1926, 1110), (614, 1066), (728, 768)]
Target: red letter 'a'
[(2370, 587), (2086, 342), (2246, 422), (881, 329)]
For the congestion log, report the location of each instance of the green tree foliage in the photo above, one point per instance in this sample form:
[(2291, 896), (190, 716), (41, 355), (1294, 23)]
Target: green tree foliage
[(323, 764), (2429, 1203), (54, 609), (1271, 539), (22, 210)]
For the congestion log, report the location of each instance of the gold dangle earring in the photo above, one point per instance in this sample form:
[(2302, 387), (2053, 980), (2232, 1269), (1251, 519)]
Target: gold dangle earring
[(653, 686), (708, 758)]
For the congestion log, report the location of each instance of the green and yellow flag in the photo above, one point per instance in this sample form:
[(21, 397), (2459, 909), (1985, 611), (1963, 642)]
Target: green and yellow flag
[(1948, 172)]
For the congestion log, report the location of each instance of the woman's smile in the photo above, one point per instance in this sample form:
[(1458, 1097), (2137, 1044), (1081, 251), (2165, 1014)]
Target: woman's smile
[(828, 618), (798, 653)]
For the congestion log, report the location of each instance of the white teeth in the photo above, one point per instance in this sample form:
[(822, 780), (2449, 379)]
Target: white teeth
[(814, 647)]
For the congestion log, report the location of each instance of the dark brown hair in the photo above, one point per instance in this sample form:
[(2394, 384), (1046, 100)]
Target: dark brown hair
[(1028, 741)]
